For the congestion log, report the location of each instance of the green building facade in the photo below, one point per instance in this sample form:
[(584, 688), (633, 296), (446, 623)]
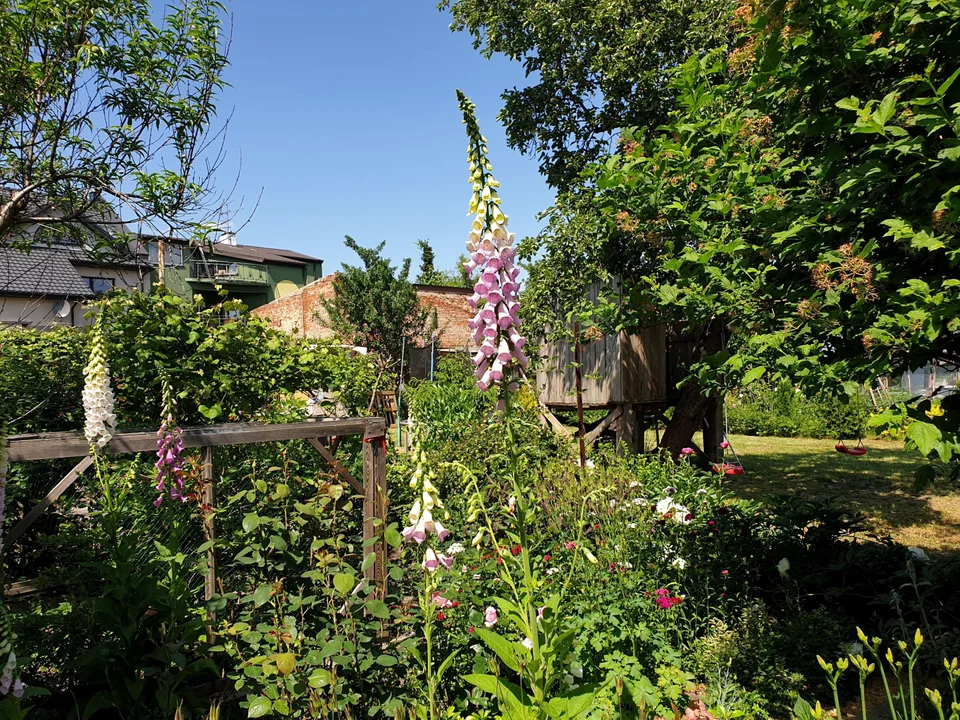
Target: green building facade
[(253, 274)]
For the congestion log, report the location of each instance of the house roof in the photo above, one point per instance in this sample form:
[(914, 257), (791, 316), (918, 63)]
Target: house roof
[(257, 253), (41, 272), (249, 253)]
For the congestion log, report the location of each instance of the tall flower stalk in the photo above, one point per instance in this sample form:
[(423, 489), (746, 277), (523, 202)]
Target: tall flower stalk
[(169, 452), (496, 325), (538, 658), (427, 532), (100, 422)]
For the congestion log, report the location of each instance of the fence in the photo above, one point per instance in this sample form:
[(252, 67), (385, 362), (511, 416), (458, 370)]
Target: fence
[(373, 486)]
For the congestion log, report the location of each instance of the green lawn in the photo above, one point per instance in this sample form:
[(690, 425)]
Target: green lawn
[(878, 484)]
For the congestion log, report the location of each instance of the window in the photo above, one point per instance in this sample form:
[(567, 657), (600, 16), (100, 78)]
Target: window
[(173, 256), (99, 285)]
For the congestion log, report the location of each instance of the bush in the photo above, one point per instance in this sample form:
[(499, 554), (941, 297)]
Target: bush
[(784, 411)]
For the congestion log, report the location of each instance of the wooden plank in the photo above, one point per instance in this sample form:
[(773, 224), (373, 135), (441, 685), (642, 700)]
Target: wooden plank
[(49, 446), (210, 580), (31, 517), (374, 510), (613, 415), (335, 464), (551, 419)]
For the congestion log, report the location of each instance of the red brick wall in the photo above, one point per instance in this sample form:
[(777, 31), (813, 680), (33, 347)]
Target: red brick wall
[(303, 313)]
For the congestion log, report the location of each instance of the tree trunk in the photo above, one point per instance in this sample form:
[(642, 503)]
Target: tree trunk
[(692, 407)]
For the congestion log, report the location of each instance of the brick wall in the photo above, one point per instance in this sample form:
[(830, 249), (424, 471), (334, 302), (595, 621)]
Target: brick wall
[(302, 312)]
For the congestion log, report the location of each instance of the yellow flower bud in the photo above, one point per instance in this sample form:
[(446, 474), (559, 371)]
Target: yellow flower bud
[(889, 656), (843, 664), (478, 538), (862, 635), (917, 638), (589, 555), (902, 645), (824, 664)]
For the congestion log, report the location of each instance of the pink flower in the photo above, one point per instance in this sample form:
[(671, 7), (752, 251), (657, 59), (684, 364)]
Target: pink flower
[(540, 612), (687, 451), (430, 561), (571, 545), (724, 572), (724, 444), (490, 617), (440, 601)]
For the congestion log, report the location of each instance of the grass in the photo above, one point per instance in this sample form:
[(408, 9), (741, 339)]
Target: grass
[(878, 484)]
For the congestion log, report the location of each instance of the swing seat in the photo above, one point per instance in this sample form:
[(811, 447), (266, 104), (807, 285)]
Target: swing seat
[(727, 469), (857, 451), (841, 448)]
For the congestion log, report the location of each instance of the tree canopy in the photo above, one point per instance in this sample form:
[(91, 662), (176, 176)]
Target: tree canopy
[(802, 198), (594, 67), (375, 306), (104, 116)]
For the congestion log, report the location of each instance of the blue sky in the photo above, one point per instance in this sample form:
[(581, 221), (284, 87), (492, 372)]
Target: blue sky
[(345, 114)]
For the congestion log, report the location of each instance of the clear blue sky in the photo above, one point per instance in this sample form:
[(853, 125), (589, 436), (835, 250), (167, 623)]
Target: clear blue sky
[(345, 114)]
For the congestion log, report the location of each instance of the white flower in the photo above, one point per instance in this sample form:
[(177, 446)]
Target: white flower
[(100, 420), (455, 549), (784, 567), (918, 553), (577, 671), (702, 491), (664, 506), (634, 484), (679, 563), (640, 502), (551, 571), (527, 643), (613, 504), (569, 680), (631, 525)]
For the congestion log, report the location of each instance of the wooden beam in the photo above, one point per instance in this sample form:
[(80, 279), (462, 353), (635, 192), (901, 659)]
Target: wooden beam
[(627, 429), (335, 464), (603, 425), (554, 423), (713, 429), (209, 503), (49, 446), (375, 510), (31, 517)]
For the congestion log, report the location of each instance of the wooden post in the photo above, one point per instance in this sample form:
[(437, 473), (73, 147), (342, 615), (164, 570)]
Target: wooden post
[(713, 429), (578, 378), (210, 582), (375, 507)]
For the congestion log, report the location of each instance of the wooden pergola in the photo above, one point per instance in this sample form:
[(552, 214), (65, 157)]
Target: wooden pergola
[(373, 486)]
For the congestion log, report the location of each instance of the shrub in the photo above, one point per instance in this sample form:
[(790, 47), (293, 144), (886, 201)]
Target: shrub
[(784, 411)]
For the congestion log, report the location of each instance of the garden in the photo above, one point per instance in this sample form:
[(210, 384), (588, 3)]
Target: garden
[(220, 552)]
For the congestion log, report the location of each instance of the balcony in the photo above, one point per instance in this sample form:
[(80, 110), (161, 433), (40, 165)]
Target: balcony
[(228, 273)]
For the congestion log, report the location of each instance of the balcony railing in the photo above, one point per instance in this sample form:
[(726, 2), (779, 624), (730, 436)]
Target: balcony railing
[(228, 272)]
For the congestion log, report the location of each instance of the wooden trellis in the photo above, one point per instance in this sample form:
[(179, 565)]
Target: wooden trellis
[(373, 487)]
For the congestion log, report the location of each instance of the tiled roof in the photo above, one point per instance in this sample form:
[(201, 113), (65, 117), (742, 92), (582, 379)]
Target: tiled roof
[(41, 272)]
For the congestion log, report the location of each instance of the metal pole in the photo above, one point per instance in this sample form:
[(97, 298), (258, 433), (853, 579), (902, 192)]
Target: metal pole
[(403, 350)]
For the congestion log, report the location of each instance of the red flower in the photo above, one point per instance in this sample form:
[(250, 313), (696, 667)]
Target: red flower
[(470, 629), (546, 558), (441, 616), (515, 550)]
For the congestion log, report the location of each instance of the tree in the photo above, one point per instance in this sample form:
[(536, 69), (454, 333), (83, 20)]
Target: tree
[(375, 306), (818, 229), (429, 275), (599, 66), (105, 117)]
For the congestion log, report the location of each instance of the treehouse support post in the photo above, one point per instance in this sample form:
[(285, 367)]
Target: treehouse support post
[(713, 429)]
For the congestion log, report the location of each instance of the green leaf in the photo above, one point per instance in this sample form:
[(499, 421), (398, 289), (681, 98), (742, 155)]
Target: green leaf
[(887, 107), (924, 435), (211, 413), (344, 582), (281, 706), (251, 521), (945, 85), (286, 663), (262, 594), (923, 478), (259, 707), (507, 651), (506, 693), (393, 536), (850, 103), (378, 608), (753, 374)]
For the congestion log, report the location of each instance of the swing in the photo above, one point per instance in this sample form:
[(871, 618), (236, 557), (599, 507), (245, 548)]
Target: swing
[(734, 467), (858, 449)]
